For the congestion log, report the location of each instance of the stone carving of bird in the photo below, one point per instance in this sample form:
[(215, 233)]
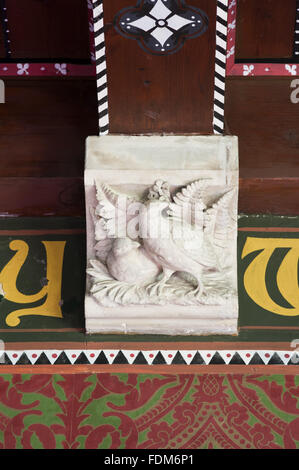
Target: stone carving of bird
[(176, 234), (128, 262), (178, 246)]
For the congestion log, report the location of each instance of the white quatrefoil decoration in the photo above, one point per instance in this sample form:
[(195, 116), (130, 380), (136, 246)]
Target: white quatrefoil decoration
[(161, 26)]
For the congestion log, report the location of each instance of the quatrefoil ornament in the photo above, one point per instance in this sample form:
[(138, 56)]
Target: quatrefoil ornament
[(161, 26)]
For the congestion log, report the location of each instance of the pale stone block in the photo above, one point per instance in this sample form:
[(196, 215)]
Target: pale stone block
[(161, 234)]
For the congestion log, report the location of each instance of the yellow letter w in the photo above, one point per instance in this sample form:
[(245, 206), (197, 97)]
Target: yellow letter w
[(286, 278)]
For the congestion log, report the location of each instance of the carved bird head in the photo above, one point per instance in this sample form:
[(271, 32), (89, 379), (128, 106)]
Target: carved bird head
[(121, 246)]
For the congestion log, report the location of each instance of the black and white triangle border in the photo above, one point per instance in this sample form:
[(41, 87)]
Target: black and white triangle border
[(146, 357)]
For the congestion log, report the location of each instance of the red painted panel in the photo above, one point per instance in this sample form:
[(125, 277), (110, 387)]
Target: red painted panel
[(112, 411)]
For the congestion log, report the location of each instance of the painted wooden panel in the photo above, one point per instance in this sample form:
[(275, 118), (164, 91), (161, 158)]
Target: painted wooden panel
[(44, 126), (105, 411), (272, 318), (172, 93), (53, 131), (36, 260), (265, 66), (261, 113), (268, 276), (59, 196), (63, 196), (278, 196), (42, 30)]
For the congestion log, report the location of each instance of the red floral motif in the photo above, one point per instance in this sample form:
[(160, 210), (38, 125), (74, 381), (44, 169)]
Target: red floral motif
[(96, 437), (72, 411), (11, 397), (280, 397), (262, 436), (44, 434), (147, 411), (236, 414), (210, 388), (160, 434), (291, 434), (35, 384), (185, 413), (127, 429), (138, 397)]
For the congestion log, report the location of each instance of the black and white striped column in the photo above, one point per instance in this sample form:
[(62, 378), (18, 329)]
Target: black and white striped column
[(101, 70), (220, 66), (296, 35)]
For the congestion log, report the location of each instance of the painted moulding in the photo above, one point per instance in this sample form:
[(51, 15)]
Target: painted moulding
[(161, 234)]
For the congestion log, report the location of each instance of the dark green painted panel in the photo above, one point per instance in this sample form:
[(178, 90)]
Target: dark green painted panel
[(73, 284)]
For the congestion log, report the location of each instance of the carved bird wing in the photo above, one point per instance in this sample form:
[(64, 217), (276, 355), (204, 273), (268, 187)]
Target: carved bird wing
[(187, 216), (112, 216), (220, 220), (188, 205)]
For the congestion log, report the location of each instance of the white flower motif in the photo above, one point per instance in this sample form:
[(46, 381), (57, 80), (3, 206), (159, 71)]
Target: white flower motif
[(292, 69), (231, 52), (232, 4), (146, 23), (160, 11), (247, 69), (22, 69), (163, 26), (161, 32), (232, 25), (61, 68)]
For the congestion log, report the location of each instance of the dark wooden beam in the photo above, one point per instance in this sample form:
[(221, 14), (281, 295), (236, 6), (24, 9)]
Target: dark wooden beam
[(44, 124), (48, 29), (33, 197), (259, 110), (265, 29)]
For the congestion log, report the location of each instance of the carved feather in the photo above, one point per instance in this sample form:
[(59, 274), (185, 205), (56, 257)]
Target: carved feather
[(192, 194), (114, 212), (188, 205), (219, 220), (187, 216)]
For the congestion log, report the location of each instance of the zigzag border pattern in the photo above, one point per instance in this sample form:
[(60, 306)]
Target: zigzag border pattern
[(101, 69), (145, 357), (220, 65)]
